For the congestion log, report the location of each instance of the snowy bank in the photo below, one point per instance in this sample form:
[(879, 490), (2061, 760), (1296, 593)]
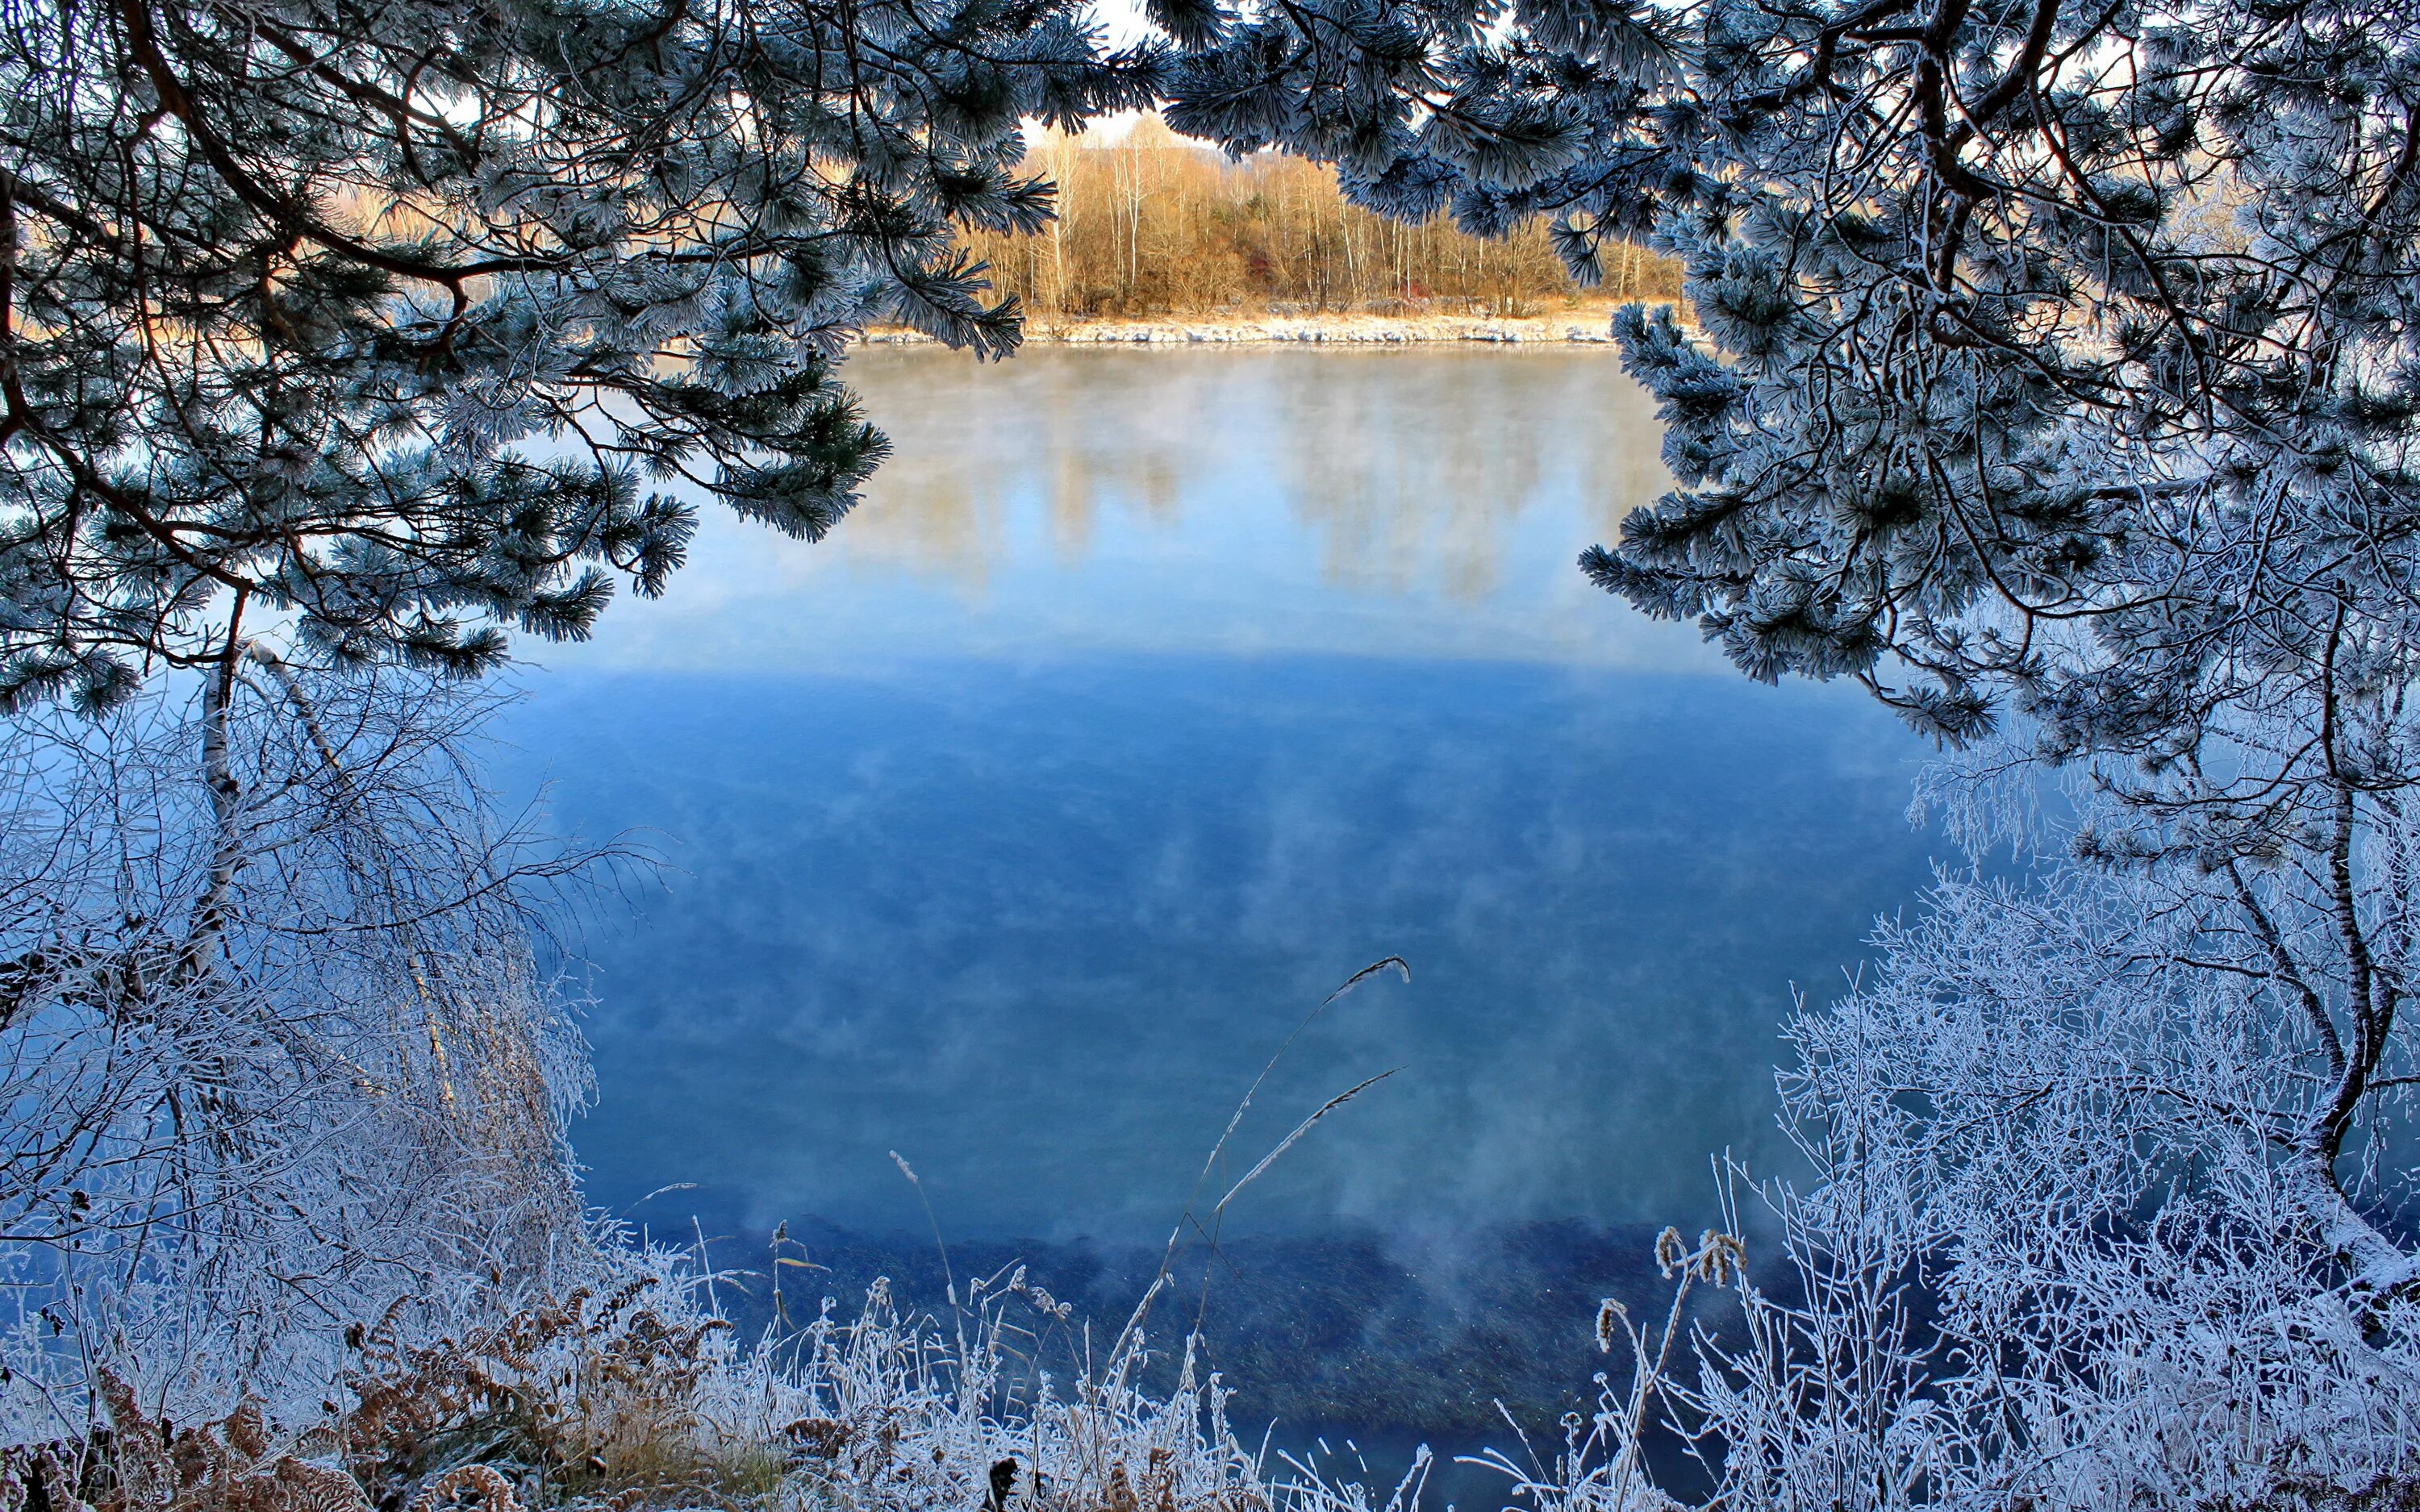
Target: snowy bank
[(1568, 327)]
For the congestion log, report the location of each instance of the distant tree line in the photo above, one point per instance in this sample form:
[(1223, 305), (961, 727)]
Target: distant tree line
[(1152, 223)]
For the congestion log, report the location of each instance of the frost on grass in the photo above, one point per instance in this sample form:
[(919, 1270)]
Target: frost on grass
[(631, 1392)]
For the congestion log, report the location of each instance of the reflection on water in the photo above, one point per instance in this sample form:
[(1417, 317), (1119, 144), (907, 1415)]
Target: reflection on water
[(1148, 695), (1407, 469), (1404, 505)]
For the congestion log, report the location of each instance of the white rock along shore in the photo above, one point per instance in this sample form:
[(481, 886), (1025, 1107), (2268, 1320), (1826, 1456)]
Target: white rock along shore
[(1566, 328)]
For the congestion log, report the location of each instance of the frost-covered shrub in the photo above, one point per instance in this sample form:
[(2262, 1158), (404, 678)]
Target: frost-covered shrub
[(275, 1046), (629, 1392), (2065, 1245)]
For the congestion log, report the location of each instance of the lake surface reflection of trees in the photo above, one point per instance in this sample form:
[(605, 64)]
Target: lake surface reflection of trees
[(1409, 468), (1390, 503)]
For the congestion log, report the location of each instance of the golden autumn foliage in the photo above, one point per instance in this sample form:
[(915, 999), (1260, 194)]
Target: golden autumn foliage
[(1150, 224)]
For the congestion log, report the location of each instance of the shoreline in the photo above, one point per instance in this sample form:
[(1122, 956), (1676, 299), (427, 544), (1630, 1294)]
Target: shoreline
[(1586, 326)]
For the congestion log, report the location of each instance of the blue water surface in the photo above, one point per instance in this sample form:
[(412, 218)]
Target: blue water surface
[(1148, 696)]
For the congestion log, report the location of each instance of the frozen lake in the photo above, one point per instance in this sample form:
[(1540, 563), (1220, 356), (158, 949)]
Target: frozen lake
[(1148, 696)]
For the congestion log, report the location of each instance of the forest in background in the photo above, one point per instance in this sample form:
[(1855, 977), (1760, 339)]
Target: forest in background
[(1152, 223)]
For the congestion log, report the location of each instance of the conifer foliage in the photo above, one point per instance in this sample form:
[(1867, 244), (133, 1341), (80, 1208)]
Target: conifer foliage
[(2016, 317), (406, 320), (2054, 374)]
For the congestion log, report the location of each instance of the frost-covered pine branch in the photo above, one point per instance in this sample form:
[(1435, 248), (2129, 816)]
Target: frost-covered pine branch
[(2043, 352), (409, 323)]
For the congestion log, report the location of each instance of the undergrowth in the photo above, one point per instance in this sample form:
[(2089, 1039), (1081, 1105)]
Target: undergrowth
[(631, 1393)]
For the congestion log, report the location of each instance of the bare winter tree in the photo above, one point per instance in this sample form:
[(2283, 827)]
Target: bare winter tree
[(275, 1046)]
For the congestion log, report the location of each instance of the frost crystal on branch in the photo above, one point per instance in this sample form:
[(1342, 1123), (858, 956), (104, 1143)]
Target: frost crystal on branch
[(275, 1044)]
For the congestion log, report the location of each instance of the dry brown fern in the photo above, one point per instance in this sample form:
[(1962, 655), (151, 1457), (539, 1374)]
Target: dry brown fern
[(294, 1486), (585, 1396), (1159, 1481), (817, 1438), (137, 1463), (473, 1488)]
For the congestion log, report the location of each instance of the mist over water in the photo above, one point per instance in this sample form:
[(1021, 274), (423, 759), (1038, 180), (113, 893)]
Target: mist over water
[(1147, 697)]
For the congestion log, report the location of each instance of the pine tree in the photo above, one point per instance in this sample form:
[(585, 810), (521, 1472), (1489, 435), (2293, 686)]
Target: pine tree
[(2032, 336), (403, 323)]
